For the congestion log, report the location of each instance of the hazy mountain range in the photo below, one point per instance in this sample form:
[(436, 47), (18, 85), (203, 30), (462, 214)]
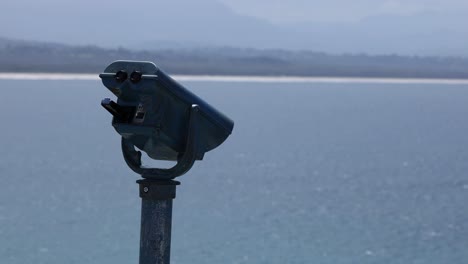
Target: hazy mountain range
[(25, 56), (153, 24)]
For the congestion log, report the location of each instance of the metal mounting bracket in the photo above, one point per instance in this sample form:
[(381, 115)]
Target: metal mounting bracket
[(184, 163)]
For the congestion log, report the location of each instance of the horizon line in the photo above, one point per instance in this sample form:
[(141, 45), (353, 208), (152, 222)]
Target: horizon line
[(240, 78)]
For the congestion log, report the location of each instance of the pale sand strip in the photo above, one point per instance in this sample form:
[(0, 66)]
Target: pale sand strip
[(254, 79)]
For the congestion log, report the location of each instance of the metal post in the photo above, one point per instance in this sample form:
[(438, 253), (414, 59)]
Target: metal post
[(156, 218)]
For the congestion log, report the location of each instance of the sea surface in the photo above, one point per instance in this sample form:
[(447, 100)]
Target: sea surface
[(315, 172)]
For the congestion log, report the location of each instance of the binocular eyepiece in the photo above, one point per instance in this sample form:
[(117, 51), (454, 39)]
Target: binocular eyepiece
[(122, 75), (157, 115)]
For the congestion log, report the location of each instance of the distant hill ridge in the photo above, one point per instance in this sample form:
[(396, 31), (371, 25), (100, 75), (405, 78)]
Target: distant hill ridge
[(29, 56)]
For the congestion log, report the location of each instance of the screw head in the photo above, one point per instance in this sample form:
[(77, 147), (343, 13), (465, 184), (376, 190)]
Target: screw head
[(145, 189)]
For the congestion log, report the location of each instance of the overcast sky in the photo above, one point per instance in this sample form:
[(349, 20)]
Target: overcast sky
[(291, 11), (426, 27)]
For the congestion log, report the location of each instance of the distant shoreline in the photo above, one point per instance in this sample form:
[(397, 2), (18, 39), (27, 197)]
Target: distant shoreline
[(244, 64), (240, 78)]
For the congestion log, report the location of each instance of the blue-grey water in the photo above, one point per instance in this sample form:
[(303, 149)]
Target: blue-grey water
[(313, 173)]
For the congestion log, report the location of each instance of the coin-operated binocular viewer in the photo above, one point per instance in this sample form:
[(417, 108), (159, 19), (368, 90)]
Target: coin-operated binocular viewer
[(159, 116)]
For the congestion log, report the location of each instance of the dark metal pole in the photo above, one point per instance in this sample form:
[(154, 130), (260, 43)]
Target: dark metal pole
[(156, 218)]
